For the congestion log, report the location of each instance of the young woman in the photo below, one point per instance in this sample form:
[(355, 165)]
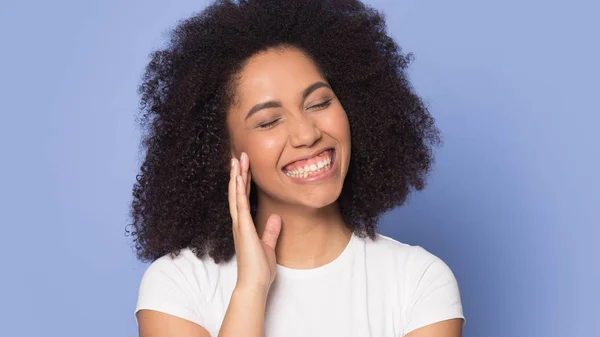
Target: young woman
[(277, 133)]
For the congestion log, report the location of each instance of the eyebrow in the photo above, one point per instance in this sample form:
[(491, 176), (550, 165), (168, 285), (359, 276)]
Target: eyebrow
[(277, 104)]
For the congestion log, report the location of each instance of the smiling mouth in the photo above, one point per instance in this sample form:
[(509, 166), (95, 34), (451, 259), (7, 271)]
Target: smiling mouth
[(313, 167)]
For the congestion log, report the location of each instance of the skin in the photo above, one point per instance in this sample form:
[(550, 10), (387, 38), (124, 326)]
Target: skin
[(313, 232), (296, 225)]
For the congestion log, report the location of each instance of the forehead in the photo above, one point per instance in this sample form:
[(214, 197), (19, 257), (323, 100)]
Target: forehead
[(275, 74)]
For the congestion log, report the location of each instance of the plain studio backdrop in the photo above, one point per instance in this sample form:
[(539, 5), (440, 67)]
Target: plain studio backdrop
[(511, 206)]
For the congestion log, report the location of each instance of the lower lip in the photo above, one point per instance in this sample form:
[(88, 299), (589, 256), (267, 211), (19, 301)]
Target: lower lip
[(324, 174)]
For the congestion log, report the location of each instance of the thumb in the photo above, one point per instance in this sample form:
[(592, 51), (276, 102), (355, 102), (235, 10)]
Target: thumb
[(272, 230)]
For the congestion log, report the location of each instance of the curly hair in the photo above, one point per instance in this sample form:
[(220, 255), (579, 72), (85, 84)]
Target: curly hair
[(180, 196)]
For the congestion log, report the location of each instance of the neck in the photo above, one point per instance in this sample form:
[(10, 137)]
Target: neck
[(309, 237)]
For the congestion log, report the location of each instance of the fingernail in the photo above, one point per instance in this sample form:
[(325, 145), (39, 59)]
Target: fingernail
[(243, 155), (239, 180), (232, 162)]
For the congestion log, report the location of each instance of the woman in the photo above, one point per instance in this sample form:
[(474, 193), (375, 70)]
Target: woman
[(277, 134)]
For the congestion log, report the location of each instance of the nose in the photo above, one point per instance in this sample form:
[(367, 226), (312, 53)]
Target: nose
[(303, 132)]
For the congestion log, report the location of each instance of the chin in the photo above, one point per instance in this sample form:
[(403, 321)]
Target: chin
[(319, 200)]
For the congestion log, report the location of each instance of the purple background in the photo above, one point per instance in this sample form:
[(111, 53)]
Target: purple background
[(511, 205)]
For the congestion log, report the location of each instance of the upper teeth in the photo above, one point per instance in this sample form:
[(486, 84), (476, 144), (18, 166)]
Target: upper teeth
[(303, 171)]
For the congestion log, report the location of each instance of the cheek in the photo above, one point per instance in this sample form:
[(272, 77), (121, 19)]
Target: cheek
[(263, 151), (336, 125)]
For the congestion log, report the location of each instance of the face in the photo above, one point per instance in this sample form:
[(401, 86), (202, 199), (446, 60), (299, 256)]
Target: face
[(288, 120)]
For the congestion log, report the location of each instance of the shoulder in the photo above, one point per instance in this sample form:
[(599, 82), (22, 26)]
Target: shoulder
[(425, 285), (181, 285), (403, 255), (182, 263), (180, 269), (186, 270), (412, 265)]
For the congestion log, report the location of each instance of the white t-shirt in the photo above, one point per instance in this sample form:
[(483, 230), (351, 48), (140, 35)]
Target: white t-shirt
[(374, 288)]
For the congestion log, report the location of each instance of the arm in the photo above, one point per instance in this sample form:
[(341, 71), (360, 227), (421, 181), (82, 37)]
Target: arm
[(245, 314), (448, 328), (157, 324)]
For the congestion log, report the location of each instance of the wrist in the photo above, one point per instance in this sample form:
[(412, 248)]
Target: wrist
[(251, 292)]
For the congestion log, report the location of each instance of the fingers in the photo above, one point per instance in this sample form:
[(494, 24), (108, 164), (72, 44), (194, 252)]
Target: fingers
[(239, 192), (248, 184), (232, 191), (244, 165), (245, 168), (272, 230), (244, 218)]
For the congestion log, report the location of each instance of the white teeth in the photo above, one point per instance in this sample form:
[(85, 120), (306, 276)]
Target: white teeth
[(303, 172)]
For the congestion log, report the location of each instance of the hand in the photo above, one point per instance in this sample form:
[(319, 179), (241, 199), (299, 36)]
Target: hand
[(256, 261)]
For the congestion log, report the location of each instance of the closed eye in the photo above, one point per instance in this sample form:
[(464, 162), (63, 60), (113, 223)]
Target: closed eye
[(321, 105), (268, 125)]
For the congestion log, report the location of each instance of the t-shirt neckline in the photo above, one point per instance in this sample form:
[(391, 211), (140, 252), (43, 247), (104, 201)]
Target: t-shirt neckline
[(286, 272)]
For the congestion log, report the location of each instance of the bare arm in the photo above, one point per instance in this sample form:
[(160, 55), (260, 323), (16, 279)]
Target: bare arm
[(245, 314), (157, 324), (448, 328), (256, 261)]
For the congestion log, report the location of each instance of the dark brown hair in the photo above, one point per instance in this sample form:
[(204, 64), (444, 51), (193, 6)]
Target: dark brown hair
[(180, 198)]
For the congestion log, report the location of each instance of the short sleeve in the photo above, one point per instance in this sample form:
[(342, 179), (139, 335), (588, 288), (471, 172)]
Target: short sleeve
[(436, 296), (165, 288)]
